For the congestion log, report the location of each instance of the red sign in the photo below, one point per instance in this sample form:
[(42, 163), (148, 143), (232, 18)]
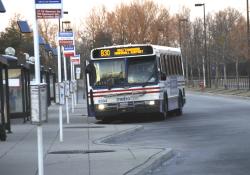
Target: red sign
[(76, 61), (69, 54), (48, 13), (65, 42)]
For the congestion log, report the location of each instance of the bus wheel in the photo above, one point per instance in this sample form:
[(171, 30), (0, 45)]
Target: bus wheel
[(180, 105), (165, 107)]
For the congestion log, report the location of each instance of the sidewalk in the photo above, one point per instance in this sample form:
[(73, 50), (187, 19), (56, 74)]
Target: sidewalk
[(83, 151)]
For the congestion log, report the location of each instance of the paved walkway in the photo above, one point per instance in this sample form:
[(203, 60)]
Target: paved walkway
[(82, 152)]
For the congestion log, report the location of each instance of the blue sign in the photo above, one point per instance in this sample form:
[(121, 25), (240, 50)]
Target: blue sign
[(66, 34), (48, 1), (69, 47)]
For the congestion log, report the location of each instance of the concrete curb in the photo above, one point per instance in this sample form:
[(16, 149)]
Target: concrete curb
[(113, 137), (152, 163)]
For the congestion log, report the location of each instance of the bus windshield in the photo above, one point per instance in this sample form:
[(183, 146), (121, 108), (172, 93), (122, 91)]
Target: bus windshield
[(125, 71), (142, 70), (109, 70)]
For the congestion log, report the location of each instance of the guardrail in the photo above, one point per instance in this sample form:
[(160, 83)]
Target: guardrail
[(229, 83)]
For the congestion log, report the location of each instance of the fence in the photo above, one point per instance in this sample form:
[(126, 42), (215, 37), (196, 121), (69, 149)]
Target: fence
[(229, 83)]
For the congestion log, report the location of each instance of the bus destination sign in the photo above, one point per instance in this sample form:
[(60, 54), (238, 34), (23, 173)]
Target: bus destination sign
[(124, 51)]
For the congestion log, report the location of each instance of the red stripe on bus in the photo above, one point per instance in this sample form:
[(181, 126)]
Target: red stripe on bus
[(150, 92), (125, 90)]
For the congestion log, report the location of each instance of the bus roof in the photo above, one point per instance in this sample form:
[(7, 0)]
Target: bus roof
[(165, 48)]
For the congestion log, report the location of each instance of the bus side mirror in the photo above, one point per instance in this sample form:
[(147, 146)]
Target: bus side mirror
[(163, 76)]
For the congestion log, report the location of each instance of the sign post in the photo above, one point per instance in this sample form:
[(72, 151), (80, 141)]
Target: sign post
[(60, 97), (42, 9), (38, 80), (71, 87), (66, 39), (73, 60)]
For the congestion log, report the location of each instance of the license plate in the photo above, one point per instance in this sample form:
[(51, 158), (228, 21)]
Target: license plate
[(123, 105)]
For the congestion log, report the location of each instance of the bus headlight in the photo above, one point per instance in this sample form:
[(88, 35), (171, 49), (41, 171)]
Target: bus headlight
[(101, 107), (151, 103)]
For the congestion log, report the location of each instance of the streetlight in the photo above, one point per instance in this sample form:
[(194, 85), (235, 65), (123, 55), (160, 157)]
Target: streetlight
[(208, 80), (180, 40)]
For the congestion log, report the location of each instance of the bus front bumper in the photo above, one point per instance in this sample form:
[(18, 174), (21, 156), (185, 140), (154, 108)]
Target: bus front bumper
[(139, 107)]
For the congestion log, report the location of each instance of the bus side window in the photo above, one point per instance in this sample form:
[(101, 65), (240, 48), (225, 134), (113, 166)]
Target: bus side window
[(173, 65), (180, 65), (165, 64), (163, 69), (177, 65), (169, 65)]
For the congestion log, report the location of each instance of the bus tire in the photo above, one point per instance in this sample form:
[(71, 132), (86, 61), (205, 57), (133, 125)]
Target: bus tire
[(180, 105), (165, 107)]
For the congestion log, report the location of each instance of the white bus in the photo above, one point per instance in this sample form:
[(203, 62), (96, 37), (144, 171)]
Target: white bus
[(135, 79)]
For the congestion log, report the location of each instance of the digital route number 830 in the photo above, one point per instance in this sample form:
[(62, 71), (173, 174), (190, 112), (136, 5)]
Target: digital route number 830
[(105, 53)]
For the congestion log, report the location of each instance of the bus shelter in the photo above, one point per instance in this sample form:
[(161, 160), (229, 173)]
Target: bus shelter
[(4, 100), (19, 91)]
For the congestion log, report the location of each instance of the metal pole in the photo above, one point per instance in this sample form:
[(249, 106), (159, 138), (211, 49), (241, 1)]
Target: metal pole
[(248, 42), (66, 79), (205, 49), (38, 78), (59, 81), (72, 95), (40, 149), (204, 73), (186, 54), (75, 82), (180, 38)]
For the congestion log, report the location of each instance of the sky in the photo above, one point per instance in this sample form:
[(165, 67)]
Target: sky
[(79, 9)]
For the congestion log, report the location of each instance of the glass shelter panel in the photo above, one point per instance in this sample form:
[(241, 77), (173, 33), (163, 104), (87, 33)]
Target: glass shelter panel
[(15, 90)]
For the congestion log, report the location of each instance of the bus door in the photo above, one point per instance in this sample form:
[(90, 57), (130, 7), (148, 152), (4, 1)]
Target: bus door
[(89, 77)]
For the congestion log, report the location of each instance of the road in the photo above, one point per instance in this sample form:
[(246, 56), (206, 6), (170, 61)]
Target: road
[(211, 138)]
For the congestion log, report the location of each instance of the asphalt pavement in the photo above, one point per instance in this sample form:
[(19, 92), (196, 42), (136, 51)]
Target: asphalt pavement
[(84, 151), (210, 138)]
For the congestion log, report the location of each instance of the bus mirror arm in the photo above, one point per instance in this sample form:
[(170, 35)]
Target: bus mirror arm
[(89, 68)]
